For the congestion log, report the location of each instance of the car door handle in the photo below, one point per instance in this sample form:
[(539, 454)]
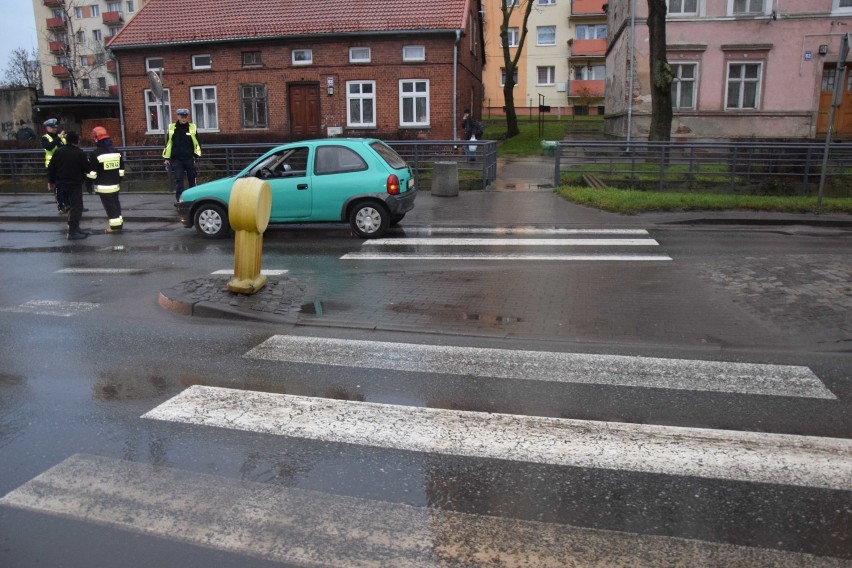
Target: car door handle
[(302, 186)]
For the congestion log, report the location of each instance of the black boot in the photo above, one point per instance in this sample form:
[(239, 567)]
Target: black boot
[(77, 235)]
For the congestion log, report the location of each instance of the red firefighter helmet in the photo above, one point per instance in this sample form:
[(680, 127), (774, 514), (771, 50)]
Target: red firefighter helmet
[(99, 133)]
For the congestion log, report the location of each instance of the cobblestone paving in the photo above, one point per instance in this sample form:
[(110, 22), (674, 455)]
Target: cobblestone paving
[(808, 295)]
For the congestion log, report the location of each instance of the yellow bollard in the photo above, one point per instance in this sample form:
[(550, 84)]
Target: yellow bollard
[(248, 213)]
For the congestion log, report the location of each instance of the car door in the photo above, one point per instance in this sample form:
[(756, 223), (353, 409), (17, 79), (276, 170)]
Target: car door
[(339, 173), (289, 182)]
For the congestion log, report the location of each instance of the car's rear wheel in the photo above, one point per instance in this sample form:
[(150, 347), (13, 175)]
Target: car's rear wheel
[(369, 219), (211, 221)]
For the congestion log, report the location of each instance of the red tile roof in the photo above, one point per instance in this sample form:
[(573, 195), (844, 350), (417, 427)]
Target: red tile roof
[(191, 21)]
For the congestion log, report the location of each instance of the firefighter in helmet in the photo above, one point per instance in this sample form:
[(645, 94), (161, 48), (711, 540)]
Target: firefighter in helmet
[(107, 169)]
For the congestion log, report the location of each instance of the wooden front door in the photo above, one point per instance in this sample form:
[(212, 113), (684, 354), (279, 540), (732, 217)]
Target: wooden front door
[(304, 103), (843, 113)]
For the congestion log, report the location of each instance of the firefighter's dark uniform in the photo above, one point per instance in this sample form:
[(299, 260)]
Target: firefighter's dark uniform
[(107, 169), (68, 169)]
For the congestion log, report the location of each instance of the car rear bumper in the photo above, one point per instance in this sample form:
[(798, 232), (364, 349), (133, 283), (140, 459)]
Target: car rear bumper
[(402, 203)]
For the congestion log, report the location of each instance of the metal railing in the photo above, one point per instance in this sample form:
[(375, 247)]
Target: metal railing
[(745, 168), (144, 169)]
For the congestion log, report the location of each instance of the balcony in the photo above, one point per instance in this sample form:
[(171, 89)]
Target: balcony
[(60, 71), (58, 47), (588, 8), (588, 48), (586, 88), (62, 92), (53, 3), (113, 19), (113, 90), (110, 65), (56, 23)]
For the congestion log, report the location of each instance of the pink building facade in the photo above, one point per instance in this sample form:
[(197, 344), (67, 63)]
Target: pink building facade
[(762, 69)]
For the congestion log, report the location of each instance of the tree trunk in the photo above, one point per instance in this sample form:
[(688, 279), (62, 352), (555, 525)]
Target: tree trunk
[(661, 73), (509, 97)]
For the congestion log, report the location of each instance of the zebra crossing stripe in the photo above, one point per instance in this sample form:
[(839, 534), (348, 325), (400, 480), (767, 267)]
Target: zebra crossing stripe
[(516, 231), (303, 527), (100, 271), (489, 256), (580, 368), (51, 308), (441, 241), (783, 459)]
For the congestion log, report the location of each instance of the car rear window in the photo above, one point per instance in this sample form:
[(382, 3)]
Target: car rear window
[(393, 159)]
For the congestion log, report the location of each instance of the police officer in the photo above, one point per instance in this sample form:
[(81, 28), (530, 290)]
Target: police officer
[(182, 149), (50, 141), (66, 173), (107, 169)]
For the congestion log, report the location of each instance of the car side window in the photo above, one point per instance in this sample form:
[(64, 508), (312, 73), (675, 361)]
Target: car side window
[(337, 160), (294, 164)]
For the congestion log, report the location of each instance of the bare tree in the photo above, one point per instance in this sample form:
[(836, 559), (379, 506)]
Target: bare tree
[(661, 73), (83, 58), (23, 69), (510, 64)]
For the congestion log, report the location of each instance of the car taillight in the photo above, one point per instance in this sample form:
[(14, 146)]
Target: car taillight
[(393, 185)]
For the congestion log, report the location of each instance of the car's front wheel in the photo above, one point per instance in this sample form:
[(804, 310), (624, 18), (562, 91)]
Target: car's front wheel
[(369, 219), (211, 221)]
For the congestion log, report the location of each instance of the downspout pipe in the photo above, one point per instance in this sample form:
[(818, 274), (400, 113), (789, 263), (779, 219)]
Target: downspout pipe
[(456, 85), (632, 69), (120, 102)]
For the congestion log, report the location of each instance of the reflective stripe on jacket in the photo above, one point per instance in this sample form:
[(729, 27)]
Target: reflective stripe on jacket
[(196, 147), (50, 144), (107, 169)]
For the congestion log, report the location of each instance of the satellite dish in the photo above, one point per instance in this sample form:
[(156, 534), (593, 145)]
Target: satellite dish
[(156, 84)]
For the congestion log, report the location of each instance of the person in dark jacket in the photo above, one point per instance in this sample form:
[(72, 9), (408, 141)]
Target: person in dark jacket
[(51, 141), (181, 151), (107, 169), (66, 173)]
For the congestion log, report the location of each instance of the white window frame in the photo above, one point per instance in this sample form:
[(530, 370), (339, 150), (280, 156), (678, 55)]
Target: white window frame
[(503, 77), (98, 36), (590, 70), (363, 99), (78, 12), (149, 67), (678, 81), (152, 105), (205, 109), (742, 82), (837, 9), (766, 8), (198, 62), (131, 7), (546, 2), (683, 12), (538, 33), (413, 96), (407, 54), (84, 60), (94, 10), (307, 57), (114, 6), (590, 31), (512, 36), (550, 72), (365, 52)]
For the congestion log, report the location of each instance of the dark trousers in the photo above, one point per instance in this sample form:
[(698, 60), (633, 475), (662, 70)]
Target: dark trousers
[(61, 196), (74, 198), (112, 206), (179, 168)]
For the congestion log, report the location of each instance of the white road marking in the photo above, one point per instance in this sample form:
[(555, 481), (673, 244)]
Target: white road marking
[(263, 271), (303, 527), (784, 459), (439, 241), (517, 231), (51, 308), (100, 271), (487, 256), (649, 372)]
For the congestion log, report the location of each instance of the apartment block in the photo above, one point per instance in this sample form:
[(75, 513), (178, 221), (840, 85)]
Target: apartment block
[(71, 38), (741, 68)]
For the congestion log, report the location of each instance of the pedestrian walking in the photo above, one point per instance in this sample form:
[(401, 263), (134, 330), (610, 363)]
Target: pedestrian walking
[(51, 141), (106, 166), (25, 133), (66, 173), (181, 151), (472, 131)]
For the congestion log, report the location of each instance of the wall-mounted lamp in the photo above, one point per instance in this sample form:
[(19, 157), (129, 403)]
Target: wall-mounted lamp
[(329, 85), (823, 49)]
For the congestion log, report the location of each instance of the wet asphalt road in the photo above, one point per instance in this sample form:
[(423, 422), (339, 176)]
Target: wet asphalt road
[(79, 385)]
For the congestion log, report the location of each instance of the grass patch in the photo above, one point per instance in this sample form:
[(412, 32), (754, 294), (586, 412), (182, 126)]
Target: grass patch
[(528, 142), (630, 202)]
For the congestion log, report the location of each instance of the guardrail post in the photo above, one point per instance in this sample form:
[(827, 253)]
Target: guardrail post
[(557, 168)]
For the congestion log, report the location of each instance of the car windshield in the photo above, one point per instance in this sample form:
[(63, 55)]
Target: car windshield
[(393, 159)]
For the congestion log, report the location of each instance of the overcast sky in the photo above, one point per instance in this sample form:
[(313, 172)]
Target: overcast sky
[(17, 28)]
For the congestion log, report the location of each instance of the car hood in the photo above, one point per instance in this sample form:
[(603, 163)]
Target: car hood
[(219, 189)]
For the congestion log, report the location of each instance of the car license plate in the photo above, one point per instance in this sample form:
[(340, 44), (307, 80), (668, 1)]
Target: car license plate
[(410, 183)]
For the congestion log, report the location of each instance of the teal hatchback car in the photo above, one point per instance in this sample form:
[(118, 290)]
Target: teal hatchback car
[(361, 181)]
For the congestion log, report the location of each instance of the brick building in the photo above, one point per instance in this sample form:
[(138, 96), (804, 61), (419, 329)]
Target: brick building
[(402, 69)]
